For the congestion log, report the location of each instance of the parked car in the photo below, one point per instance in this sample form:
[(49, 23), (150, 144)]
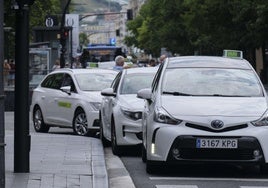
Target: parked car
[(70, 98), (121, 110), (205, 109)]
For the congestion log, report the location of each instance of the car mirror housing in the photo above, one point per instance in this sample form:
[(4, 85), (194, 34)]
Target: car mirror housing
[(66, 89), (145, 94), (108, 92)]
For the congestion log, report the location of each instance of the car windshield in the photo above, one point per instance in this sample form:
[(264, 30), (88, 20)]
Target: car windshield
[(132, 83), (211, 82), (94, 81)]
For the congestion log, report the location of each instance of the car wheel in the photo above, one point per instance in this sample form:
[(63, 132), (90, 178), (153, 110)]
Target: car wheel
[(80, 125), (104, 141), (115, 148), (143, 154), (38, 121)]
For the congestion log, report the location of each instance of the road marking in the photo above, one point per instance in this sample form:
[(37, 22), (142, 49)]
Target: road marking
[(209, 179), (176, 186), (195, 186), (252, 187)]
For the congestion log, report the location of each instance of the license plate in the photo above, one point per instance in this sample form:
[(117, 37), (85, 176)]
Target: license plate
[(216, 143)]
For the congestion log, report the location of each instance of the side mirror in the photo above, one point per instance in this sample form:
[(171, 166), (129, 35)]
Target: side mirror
[(108, 92), (145, 94), (66, 89)]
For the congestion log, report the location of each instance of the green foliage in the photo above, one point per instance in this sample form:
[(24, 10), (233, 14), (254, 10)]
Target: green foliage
[(202, 26), (83, 39)]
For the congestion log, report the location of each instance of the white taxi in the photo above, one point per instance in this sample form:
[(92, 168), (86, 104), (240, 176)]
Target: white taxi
[(70, 98), (121, 110), (205, 109)]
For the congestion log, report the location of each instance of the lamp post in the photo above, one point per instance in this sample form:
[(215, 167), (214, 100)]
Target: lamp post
[(22, 138)]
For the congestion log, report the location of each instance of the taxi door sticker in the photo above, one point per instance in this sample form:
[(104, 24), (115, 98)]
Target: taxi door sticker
[(64, 104)]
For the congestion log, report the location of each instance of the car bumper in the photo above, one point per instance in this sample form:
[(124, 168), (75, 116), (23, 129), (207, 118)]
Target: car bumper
[(163, 140), (128, 132), (93, 120)]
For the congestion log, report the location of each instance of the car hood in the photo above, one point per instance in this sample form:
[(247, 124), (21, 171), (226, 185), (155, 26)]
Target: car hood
[(214, 106), (93, 96), (131, 102)]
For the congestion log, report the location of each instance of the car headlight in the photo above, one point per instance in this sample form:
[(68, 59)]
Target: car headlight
[(134, 115), (263, 121), (96, 105), (161, 116)]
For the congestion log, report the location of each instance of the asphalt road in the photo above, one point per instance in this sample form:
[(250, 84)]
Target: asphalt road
[(194, 176)]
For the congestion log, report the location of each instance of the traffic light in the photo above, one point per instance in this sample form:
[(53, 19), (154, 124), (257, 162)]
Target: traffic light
[(64, 33), (129, 14)]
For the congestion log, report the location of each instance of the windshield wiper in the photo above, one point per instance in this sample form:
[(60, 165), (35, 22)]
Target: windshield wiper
[(176, 93)]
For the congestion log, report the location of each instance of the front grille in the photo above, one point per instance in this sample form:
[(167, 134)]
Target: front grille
[(187, 150), (217, 154), (200, 127)]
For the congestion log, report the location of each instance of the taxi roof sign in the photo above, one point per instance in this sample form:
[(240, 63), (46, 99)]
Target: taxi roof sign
[(233, 54)]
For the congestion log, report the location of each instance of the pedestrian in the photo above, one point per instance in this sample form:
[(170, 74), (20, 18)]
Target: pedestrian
[(162, 59), (152, 63), (6, 69), (84, 58), (11, 77), (56, 65), (119, 63)]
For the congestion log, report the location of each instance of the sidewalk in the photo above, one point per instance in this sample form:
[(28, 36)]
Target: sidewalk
[(57, 161)]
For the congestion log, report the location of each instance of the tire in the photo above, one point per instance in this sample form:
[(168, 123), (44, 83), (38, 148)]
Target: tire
[(80, 126), (143, 154), (38, 121), (115, 148), (104, 141)]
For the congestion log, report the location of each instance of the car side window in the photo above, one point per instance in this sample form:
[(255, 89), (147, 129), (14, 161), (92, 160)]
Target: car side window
[(156, 78), (116, 81), (68, 81), (53, 81), (48, 81)]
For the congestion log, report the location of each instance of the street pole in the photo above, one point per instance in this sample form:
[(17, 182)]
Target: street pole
[(22, 137), (2, 101), (62, 33)]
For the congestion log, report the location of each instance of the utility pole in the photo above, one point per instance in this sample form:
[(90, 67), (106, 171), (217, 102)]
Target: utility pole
[(63, 32), (2, 101), (22, 138)]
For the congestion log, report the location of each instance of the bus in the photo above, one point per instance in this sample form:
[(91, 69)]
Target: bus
[(103, 56)]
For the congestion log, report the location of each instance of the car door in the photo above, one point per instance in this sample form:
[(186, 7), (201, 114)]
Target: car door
[(65, 102), (108, 103), (51, 91)]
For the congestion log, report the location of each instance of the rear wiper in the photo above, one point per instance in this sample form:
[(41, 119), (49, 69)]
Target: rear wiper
[(176, 93)]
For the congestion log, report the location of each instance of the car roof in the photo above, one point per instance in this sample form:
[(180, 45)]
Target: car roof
[(140, 70), (207, 61), (81, 71)]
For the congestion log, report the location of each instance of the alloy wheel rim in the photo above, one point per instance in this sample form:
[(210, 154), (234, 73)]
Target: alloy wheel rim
[(81, 124)]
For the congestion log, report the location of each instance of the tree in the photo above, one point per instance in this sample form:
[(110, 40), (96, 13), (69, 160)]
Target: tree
[(202, 26)]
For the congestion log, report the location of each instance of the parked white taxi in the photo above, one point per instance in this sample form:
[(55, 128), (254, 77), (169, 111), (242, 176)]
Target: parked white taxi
[(70, 98), (205, 109), (121, 110)]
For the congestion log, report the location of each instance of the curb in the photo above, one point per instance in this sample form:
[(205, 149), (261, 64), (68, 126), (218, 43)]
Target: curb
[(117, 173)]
